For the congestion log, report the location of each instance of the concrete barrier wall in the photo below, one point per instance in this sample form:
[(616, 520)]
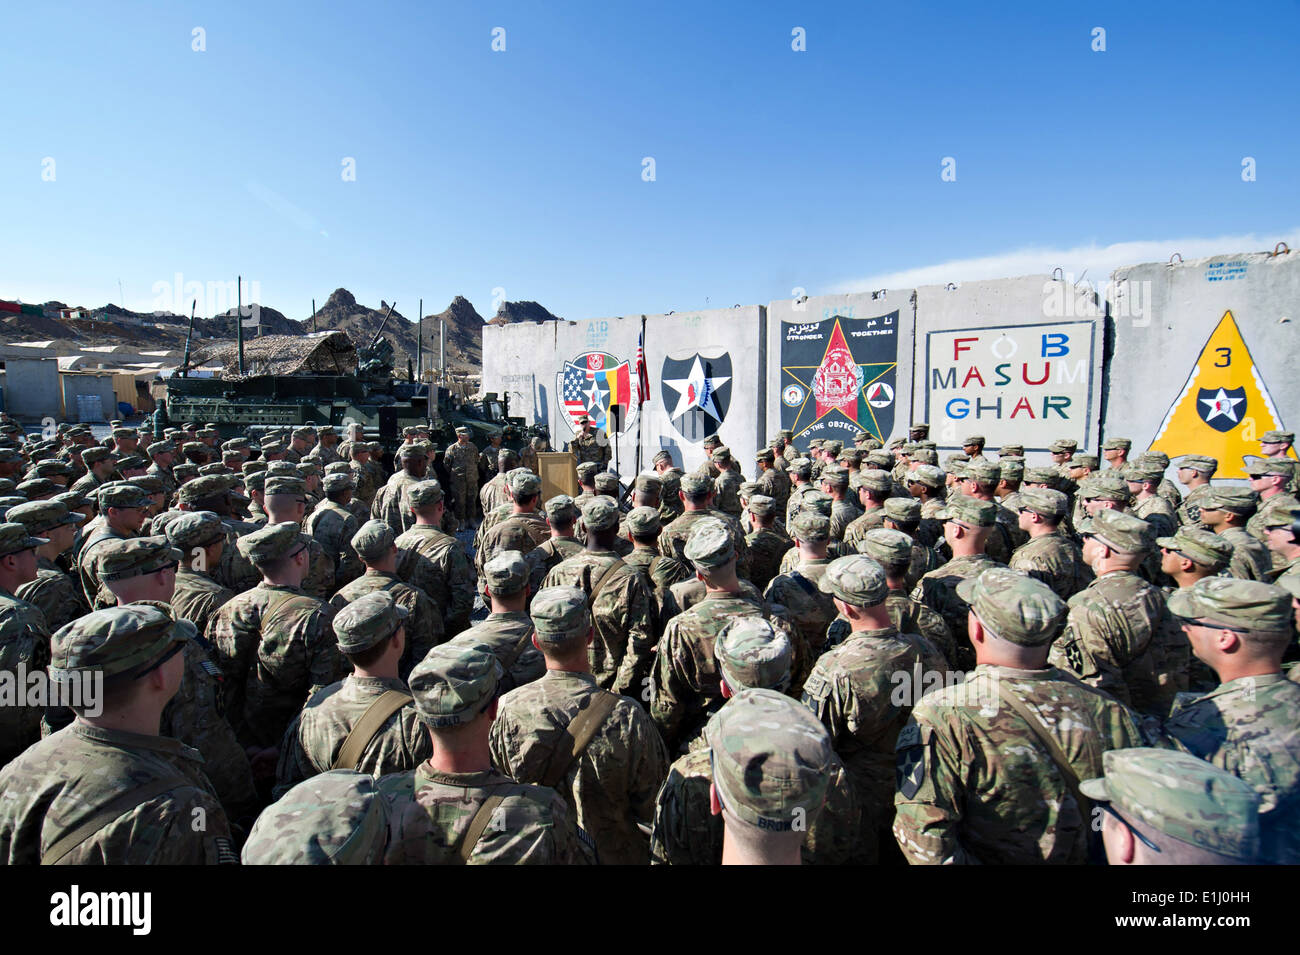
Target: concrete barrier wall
[(1164, 319), (32, 387), (1025, 360)]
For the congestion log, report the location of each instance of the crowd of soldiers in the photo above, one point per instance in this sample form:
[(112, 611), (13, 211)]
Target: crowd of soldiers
[(214, 651)]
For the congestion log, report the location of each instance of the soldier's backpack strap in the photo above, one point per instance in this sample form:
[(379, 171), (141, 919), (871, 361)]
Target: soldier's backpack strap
[(106, 813), (577, 735), (1052, 746), (477, 826), (605, 577), (371, 722), (277, 603), (806, 585), (523, 644)]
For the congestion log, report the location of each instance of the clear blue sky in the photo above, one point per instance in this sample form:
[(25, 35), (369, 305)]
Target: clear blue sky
[(523, 169)]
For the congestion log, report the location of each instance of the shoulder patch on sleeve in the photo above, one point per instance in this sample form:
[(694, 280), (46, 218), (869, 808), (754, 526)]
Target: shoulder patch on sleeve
[(910, 767)]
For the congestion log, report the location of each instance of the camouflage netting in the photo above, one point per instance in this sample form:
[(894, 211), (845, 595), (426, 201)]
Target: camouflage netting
[(331, 353)]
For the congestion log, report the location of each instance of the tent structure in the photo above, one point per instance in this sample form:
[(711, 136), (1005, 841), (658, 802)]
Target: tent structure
[(324, 353)]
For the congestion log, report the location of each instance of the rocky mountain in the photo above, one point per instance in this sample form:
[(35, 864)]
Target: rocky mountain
[(522, 312)]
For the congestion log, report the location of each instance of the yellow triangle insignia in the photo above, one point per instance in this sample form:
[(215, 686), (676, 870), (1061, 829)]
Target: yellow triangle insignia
[(1224, 406)]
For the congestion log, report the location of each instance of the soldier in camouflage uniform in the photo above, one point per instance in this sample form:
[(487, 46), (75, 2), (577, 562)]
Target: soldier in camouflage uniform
[(454, 807), (163, 454), (100, 464), (124, 507), (63, 796), (561, 517), (494, 492), (844, 510), (1144, 479), (587, 447), (1049, 555), (336, 729), (873, 487), (216, 494), (325, 452), (1166, 808), (274, 644), (697, 496), (796, 589), (523, 530), (685, 689), (1268, 479), (1108, 636), (904, 514), (358, 455), (773, 480), (967, 525), (507, 632), (1282, 532), (978, 781), (621, 655), (979, 480), (767, 542), (1249, 725), (374, 544), (727, 483), (461, 461), (766, 815), (333, 525), (926, 484), (528, 456), (1278, 444), (334, 818), (24, 638), (200, 537), (390, 504), (1225, 510), (600, 751), (751, 655), (54, 592), (852, 689), (433, 561), (1194, 473), (286, 501), (1192, 554), (487, 459)]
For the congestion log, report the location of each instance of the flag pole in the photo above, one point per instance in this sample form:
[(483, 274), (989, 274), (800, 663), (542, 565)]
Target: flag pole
[(640, 415)]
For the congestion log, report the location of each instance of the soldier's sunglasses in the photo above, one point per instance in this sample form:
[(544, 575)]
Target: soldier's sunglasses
[(1107, 807)]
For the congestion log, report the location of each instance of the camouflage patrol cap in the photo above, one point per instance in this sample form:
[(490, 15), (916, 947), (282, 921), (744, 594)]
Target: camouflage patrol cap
[(1182, 797), (306, 431), (869, 445), (712, 441), (1234, 603), (1139, 472), (955, 463), (973, 439), (643, 521), (252, 467), (161, 447), (721, 454), (424, 493), (1011, 450), (857, 579), (42, 516), (13, 456), (925, 456), (672, 483), (1080, 460), (52, 468), (1063, 446), (926, 475), (922, 426), (983, 472), (1105, 486), (1043, 475), (752, 654), (661, 456), (149, 483), (453, 684), (1277, 437), (762, 505), (1257, 467), (834, 447), (416, 449), (11, 500), (766, 455), (587, 471), (375, 447), (1121, 532), (253, 481), (648, 482), (214, 485), (1235, 500), (709, 545), (523, 484), (1048, 502), (38, 487), (904, 510), (207, 469), (368, 621), (334, 818), (119, 641), (15, 538), (411, 431), (968, 510), (507, 459), (96, 454), (606, 483), (131, 462), (242, 444), (278, 484), (559, 614), (198, 447), (7, 486), (1199, 545), (787, 433), (196, 529), (271, 542), (309, 468), (1281, 517), (373, 541), (1117, 444), (836, 477), (874, 479), (279, 469), (123, 559), (122, 494), (771, 759), (810, 526), (73, 500), (334, 483), (561, 510), (338, 467), (506, 573), (600, 513), (1012, 469), (695, 485), (889, 548), (1014, 606), (817, 501), (850, 456), (801, 467)]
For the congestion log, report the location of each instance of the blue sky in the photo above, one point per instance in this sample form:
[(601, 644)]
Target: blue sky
[(522, 170)]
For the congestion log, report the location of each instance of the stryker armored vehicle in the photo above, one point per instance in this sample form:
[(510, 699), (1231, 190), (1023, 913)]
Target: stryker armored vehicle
[(487, 416)]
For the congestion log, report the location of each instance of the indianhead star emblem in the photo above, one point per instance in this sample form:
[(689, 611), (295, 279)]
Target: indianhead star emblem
[(1221, 404), (697, 390)]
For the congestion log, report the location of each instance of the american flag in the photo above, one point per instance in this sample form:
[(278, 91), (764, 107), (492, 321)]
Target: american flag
[(642, 375), (575, 397)]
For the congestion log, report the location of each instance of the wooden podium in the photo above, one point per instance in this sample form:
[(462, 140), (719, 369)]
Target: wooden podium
[(559, 473)]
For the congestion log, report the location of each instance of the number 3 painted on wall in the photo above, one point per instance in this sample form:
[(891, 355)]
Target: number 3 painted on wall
[(1226, 355)]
